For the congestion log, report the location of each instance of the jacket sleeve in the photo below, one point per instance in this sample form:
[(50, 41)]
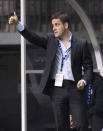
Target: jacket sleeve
[(35, 38), (87, 63)]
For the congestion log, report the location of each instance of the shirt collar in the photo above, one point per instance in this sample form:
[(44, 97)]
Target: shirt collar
[(69, 42)]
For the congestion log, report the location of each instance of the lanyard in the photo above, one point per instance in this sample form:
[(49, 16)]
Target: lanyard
[(89, 93), (65, 56)]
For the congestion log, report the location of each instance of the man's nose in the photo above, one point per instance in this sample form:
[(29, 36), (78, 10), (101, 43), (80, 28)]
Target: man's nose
[(54, 28)]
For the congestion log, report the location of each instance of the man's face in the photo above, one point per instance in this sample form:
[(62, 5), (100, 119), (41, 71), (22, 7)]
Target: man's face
[(59, 28)]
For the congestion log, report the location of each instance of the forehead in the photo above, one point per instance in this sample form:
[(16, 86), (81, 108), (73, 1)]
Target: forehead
[(56, 21)]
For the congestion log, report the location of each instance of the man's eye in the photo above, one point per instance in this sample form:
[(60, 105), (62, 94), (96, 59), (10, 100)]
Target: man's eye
[(57, 24)]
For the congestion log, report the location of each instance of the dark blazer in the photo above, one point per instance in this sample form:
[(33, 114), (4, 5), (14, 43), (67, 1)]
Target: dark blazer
[(97, 96), (80, 55)]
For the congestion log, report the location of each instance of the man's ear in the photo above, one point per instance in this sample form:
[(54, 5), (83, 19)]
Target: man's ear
[(66, 25)]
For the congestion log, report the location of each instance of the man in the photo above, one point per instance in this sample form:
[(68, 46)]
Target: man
[(62, 78), (96, 109)]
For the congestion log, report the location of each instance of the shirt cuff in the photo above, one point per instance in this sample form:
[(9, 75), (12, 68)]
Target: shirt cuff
[(84, 82), (20, 26)]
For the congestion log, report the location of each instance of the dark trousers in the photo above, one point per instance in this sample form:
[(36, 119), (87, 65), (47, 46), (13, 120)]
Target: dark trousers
[(97, 122), (69, 99)]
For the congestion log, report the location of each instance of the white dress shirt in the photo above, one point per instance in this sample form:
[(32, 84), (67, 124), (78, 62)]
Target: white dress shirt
[(67, 70)]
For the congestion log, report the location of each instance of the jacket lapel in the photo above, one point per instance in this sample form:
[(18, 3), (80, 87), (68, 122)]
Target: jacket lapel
[(55, 46), (53, 49), (73, 50)]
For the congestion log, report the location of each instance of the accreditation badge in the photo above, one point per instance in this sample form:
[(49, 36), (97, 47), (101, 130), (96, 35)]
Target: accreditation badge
[(59, 80)]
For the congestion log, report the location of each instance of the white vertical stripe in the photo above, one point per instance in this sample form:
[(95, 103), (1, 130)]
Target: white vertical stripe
[(89, 27), (23, 73)]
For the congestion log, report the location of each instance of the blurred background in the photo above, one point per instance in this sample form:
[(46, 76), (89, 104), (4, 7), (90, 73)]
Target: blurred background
[(38, 14)]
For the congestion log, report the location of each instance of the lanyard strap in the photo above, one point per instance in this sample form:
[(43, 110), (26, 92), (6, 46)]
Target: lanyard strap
[(65, 56), (89, 93)]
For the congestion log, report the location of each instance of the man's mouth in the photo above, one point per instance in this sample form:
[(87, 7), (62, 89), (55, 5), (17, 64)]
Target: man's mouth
[(55, 32)]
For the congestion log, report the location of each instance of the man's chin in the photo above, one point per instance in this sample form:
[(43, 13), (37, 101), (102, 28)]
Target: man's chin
[(56, 36)]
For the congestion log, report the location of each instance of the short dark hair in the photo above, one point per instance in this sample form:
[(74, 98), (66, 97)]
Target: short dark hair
[(63, 16)]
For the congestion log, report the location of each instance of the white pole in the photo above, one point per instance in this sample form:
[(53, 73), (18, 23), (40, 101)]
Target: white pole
[(23, 73)]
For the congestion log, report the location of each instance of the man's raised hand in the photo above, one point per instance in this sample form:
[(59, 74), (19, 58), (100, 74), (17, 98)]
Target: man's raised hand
[(13, 19)]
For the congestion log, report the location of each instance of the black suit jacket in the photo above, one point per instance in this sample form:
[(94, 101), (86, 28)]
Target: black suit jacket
[(97, 96), (80, 55)]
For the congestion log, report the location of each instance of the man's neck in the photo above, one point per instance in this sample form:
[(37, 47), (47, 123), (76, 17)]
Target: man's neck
[(66, 38)]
